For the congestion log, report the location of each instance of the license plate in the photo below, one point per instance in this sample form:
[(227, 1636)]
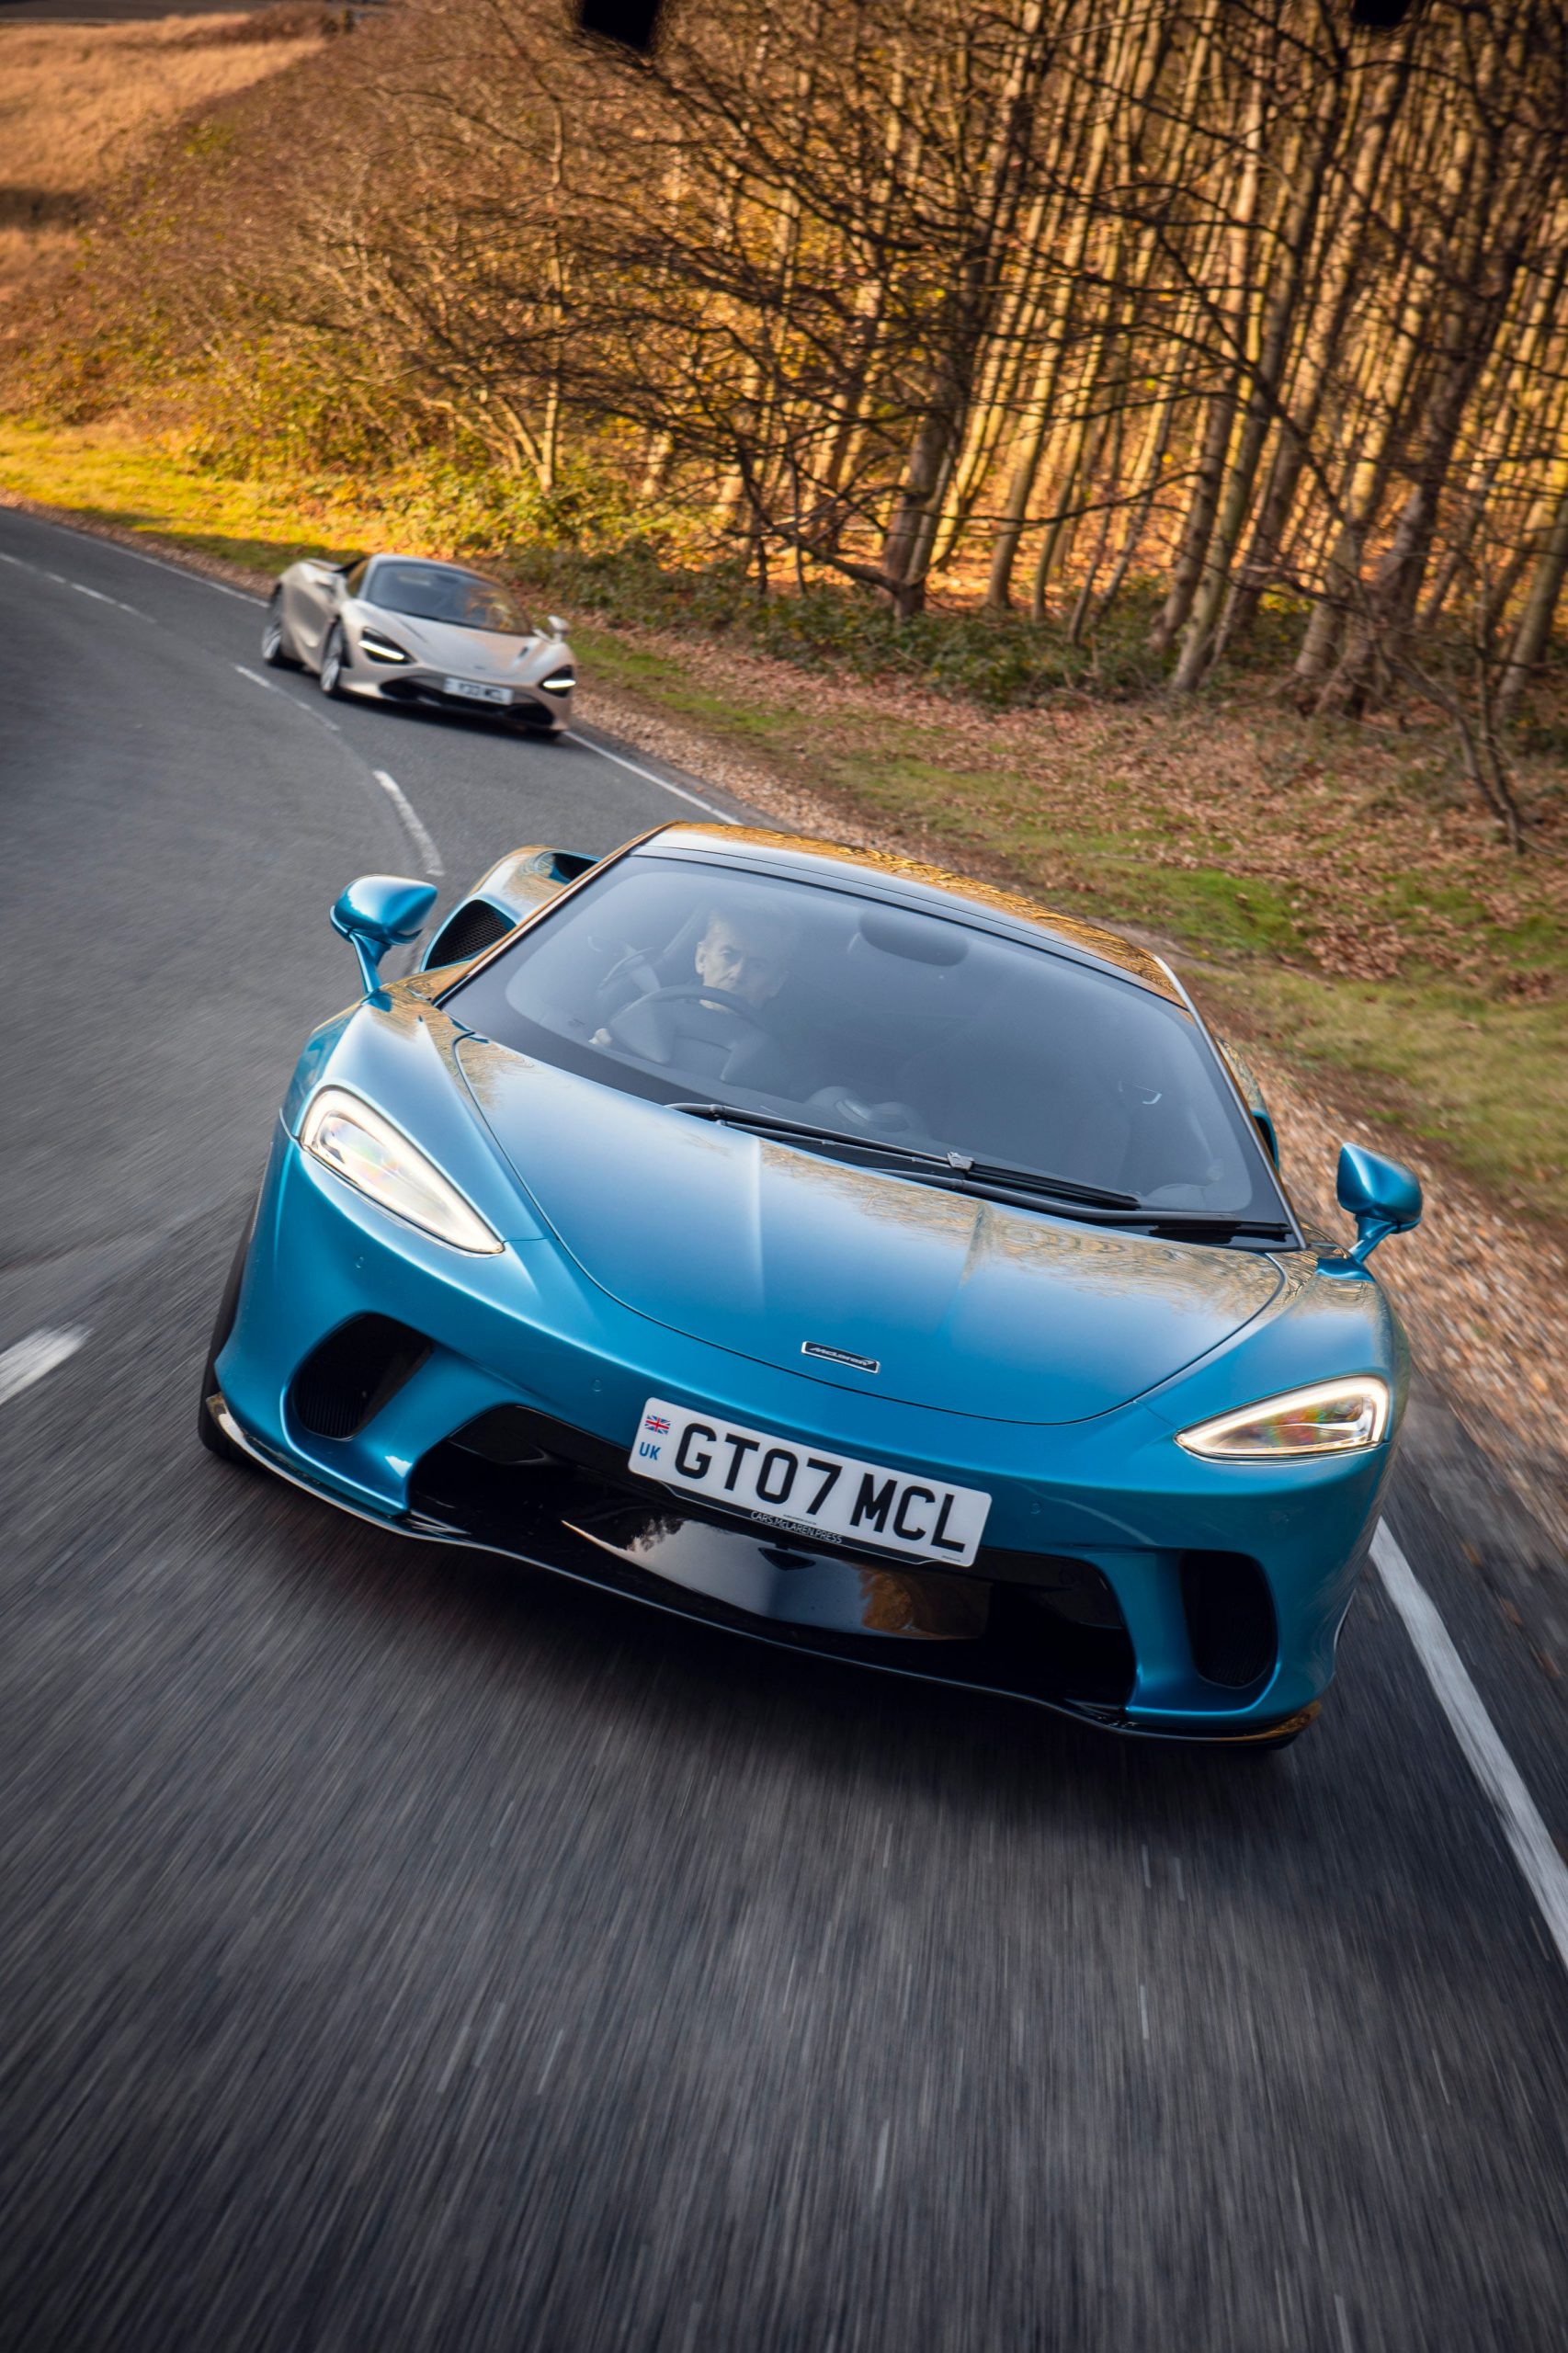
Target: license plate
[(808, 1490), (475, 692)]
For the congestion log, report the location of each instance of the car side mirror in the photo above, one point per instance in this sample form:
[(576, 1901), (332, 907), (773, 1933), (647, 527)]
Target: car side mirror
[(1383, 1196), (557, 626), (379, 912)]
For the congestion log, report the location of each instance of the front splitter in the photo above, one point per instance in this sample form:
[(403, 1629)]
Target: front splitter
[(607, 1568)]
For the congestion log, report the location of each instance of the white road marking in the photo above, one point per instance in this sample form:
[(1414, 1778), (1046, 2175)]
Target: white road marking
[(31, 1358), (81, 587), (1531, 1843), (99, 598), (647, 774), (137, 555), (410, 818), (305, 710), (1144, 2010)]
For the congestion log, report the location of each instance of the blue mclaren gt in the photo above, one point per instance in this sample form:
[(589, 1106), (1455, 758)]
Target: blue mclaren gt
[(837, 1250)]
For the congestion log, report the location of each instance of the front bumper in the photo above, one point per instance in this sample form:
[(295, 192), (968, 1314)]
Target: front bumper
[(531, 706), (1115, 1500)]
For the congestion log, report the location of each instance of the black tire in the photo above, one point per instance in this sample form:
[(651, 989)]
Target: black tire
[(276, 650), (333, 657), (208, 1431)]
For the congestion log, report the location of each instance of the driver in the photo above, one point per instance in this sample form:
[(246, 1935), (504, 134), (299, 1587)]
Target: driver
[(745, 955)]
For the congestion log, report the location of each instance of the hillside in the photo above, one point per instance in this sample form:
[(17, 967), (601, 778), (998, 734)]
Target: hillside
[(80, 103)]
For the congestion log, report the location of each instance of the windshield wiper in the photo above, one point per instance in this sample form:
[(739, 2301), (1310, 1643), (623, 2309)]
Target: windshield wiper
[(956, 1168)]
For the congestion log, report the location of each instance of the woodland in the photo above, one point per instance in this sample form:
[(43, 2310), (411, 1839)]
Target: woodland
[(1227, 326)]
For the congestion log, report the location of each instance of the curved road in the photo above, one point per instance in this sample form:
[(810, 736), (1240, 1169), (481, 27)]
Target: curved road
[(398, 1950)]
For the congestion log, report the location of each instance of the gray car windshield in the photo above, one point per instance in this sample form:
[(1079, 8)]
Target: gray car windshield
[(695, 983), (439, 592)]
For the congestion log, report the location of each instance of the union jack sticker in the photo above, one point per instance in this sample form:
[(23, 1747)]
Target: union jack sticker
[(658, 1423)]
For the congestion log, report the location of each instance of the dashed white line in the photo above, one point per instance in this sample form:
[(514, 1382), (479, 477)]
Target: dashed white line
[(270, 685), (99, 598), (1529, 1838), (647, 774), (139, 555), (31, 1358), (81, 587), (410, 818), (413, 825)]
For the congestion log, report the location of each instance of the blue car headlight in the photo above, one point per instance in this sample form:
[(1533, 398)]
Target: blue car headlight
[(378, 1161), (1332, 1417)]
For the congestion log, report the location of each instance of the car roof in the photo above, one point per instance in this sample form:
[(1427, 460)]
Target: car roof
[(434, 563), (911, 883)]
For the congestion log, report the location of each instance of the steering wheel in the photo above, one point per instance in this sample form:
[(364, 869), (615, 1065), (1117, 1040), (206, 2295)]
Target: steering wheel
[(683, 991)]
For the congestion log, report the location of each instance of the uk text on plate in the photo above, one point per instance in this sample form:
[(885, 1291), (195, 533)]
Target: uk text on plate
[(833, 1496)]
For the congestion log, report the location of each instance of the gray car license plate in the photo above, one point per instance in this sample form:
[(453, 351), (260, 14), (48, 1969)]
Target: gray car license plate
[(809, 1490), (475, 692)]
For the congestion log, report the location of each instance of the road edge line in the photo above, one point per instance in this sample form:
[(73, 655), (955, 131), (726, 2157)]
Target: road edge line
[(662, 781), (1530, 1841)]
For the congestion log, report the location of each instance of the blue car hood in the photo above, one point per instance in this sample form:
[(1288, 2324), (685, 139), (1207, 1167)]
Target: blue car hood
[(757, 1247)]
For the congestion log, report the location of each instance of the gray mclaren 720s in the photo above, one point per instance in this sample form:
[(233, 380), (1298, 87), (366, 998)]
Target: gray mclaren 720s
[(402, 628)]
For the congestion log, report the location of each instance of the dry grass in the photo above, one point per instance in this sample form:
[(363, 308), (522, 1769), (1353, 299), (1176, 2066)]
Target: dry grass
[(78, 102)]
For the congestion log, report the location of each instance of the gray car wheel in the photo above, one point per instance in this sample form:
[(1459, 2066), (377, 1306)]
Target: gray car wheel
[(332, 662), (276, 650)]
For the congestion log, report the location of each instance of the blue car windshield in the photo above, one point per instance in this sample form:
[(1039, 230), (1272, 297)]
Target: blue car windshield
[(684, 981)]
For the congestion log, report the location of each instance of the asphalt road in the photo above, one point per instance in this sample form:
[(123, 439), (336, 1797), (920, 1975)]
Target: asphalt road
[(398, 1949)]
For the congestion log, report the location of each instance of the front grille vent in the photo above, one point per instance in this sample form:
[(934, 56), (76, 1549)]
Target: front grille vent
[(350, 1375), (468, 931), (507, 1434), (1229, 1618)]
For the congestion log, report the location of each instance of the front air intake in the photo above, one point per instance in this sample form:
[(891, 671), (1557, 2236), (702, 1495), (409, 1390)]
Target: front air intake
[(350, 1375), (1229, 1618)]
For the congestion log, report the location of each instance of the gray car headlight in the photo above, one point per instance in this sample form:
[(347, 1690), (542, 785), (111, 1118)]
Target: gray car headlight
[(378, 1160), (560, 682), (1331, 1417), (381, 649)]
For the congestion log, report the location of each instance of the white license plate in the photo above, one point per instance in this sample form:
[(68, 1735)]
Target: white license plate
[(807, 1489), (475, 692)]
